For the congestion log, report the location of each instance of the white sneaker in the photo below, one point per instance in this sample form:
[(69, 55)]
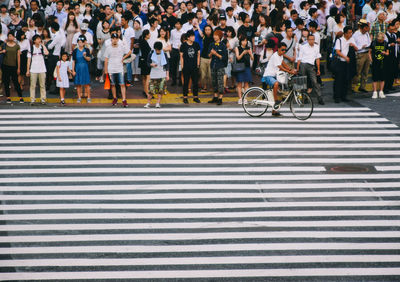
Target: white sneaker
[(79, 100), (136, 79), (374, 95), (89, 100), (381, 95), (101, 80), (240, 101), (158, 105), (43, 101), (147, 106)]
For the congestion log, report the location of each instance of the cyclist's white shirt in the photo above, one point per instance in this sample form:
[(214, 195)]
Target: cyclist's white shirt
[(273, 65)]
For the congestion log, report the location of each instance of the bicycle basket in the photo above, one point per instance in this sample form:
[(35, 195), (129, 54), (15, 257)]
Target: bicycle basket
[(299, 83)]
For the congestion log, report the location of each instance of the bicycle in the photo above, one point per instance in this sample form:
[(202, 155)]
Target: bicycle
[(256, 100)]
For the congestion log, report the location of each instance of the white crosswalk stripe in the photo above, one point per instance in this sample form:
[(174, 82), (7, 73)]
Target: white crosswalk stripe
[(204, 194)]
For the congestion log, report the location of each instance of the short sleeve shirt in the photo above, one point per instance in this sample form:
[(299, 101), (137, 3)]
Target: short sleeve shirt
[(273, 65), (190, 55)]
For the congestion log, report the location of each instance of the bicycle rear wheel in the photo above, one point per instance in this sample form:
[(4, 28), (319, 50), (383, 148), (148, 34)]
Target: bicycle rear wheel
[(255, 102), (301, 105)]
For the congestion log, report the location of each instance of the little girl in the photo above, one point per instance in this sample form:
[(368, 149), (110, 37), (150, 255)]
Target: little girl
[(63, 68)]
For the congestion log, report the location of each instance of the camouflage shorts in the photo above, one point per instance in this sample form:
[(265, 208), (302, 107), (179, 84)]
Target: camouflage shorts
[(157, 86)]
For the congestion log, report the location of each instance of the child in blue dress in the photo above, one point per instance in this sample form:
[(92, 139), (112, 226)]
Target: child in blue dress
[(80, 66)]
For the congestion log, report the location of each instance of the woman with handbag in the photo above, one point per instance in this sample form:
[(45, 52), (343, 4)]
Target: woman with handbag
[(144, 67), (242, 66)]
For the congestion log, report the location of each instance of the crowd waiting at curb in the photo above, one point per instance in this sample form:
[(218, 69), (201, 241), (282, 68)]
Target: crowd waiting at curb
[(204, 46)]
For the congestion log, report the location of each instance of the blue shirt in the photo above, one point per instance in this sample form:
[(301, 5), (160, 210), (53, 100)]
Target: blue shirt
[(62, 17)]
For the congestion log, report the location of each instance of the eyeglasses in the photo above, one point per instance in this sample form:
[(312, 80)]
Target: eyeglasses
[(284, 50)]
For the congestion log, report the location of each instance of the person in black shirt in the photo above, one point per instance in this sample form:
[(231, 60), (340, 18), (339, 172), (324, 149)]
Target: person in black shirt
[(190, 62), (171, 19), (219, 60), (205, 61), (222, 25), (246, 29), (184, 17)]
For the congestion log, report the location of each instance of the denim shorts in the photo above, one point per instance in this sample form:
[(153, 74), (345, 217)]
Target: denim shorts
[(269, 80), (117, 77)]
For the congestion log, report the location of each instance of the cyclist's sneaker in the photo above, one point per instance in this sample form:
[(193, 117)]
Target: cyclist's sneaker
[(276, 114), (277, 104), (115, 101)]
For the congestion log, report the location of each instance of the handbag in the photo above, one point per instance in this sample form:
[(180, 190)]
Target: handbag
[(130, 59), (238, 67), (335, 61)]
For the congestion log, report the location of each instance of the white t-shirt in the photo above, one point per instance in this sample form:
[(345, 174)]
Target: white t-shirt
[(37, 63), (127, 34), (158, 71), (115, 55), (309, 54), (89, 38), (273, 65), (343, 45)]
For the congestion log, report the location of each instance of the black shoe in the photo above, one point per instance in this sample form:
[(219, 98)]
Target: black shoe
[(321, 101), (197, 100), (110, 97), (276, 114), (362, 90), (219, 102), (277, 105), (185, 100), (214, 100), (337, 101)]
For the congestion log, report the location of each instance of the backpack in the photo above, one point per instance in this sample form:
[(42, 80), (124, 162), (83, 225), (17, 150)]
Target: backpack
[(41, 51), (2, 55), (272, 36)]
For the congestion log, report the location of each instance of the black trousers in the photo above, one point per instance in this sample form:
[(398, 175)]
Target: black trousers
[(51, 65), (390, 71), (174, 64), (11, 72), (341, 83), (187, 75)]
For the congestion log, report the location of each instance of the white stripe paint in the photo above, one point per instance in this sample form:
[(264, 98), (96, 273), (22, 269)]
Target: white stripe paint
[(199, 260), (181, 153), (182, 274), (185, 120), (165, 187), (201, 248), (237, 132), (199, 236), (221, 126), (388, 168), (201, 178), (203, 195), (167, 110), (267, 160), (205, 206), (200, 225), (246, 145), (160, 169), (175, 114), (185, 215)]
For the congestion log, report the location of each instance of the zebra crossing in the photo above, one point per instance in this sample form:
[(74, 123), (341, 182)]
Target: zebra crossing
[(198, 194)]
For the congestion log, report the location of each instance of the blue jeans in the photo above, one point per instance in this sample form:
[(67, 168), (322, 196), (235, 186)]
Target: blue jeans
[(129, 72), (117, 78), (269, 80)]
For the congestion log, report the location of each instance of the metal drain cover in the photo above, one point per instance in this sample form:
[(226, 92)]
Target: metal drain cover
[(349, 169)]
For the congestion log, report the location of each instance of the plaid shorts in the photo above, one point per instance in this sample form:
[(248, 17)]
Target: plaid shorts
[(157, 86)]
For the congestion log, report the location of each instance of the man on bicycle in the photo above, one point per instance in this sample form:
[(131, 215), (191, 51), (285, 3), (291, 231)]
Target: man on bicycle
[(274, 65)]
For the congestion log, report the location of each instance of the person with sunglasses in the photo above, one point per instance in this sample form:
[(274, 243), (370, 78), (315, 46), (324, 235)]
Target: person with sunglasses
[(276, 64)]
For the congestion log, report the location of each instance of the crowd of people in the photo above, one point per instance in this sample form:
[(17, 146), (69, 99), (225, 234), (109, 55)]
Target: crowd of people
[(204, 46)]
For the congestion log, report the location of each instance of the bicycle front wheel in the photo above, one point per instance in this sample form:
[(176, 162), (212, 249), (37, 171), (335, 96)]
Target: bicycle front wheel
[(301, 105), (255, 102)]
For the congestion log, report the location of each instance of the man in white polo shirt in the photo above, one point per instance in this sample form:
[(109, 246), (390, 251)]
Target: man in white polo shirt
[(309, 57)]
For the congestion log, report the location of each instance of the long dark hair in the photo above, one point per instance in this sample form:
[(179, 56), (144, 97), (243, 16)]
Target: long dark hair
[(166, 33), (74, 22), (144, 34), (212, 32)]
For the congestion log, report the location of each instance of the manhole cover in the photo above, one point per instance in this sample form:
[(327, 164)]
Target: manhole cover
[(354, 168)]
